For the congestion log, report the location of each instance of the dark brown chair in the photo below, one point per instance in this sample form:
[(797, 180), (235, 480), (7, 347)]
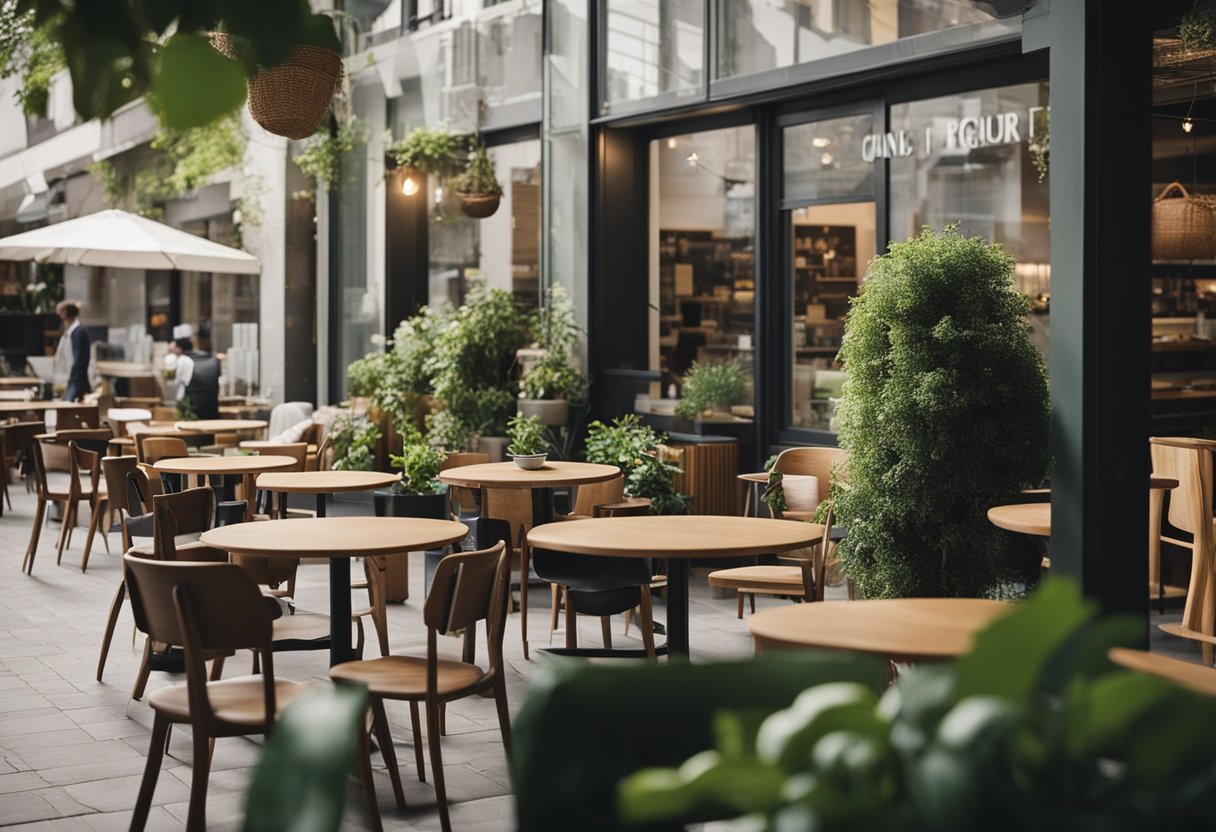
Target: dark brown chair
[(74, 418), (15, 452), (59, 479), (510, 510), (467, 588), (208, 608)]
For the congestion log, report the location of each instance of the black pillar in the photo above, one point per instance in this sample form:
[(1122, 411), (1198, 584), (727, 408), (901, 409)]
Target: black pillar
[(1101, 155), (406, 270)]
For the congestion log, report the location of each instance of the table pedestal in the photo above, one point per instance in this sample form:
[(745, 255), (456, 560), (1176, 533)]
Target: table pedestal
[(340, 649)]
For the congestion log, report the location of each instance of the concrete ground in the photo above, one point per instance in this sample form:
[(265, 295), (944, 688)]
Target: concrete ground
[(72, 750)]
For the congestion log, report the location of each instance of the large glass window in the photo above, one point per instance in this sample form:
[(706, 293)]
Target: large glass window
[(979, 159), (760, 35), (829, 187), (651, 50)]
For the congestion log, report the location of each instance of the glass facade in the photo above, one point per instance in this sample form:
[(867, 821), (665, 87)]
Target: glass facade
[(760, 35), (651, 50)]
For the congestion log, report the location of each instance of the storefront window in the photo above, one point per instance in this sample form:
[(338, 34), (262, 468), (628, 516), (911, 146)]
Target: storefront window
[(703, 260), (651, 50), (509, 53), (979, 160), (832, 236), (760, 35)]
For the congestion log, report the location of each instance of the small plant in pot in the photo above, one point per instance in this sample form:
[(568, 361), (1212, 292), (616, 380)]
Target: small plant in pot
[(709, 388), (549, 384), (529, 446), (639, 451), (479, 189), (418, 493)]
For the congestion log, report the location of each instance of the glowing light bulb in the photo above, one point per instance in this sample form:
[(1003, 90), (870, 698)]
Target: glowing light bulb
[(692, 159), (1187, 125), (438, 195), (410, 186), (671, 143), (826, 159), (821, 141)]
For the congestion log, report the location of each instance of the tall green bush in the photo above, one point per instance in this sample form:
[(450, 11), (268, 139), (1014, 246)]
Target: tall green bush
[(945, 413)]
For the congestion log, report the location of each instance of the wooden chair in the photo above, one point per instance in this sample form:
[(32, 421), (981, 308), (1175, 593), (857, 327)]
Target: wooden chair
[(206, 608), (1190, 462), (75, 418), (468, 587), (95, 439), (803, 495), (16, 453), (511, 510), (114, 472), (58, 479), (297, 451), (162, 445)]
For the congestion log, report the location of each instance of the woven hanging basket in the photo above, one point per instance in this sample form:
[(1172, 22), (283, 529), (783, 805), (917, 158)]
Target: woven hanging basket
[(479, 206), (1184, 228), (291, 99)]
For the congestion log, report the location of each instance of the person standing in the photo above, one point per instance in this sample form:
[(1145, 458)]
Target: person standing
[(72, 354), (196, 377)]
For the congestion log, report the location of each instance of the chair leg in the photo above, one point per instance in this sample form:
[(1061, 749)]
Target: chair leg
[(64, 525), (94, 516), (27, 565), (196, 817), (380, 619), (145, 668), (416, 726), (571, 621), (364, 751), (217, 669), (434, 741), (741, 594), (156, 752), (524, 567), (646, 622), (72, 523), (443, 719), (504, 713), (554, 605), (751, 602), (120, 595), (606, 630), (385, 738)]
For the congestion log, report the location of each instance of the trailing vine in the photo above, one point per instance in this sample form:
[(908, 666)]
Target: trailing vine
[(31, 51), (320, 159)]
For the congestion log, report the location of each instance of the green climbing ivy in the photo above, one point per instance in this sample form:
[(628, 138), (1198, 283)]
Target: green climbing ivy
[(29, 50)]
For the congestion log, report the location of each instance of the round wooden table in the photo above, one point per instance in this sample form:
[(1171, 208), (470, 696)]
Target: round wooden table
[(220, 425), (540, 480), (677, 538), (267, 445), (338, 539), (245, 466), (1196, 677), (1023, 518), (323, 483), (901, 629)]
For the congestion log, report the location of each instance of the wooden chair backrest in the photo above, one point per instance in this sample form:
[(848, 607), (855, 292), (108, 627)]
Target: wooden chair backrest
[(268, 571), (103, 434), (193, 510), (323, 454), (52, 456), (636, 508), (813, 462), (152, 448), (296, 450), (514, 505), (115, 470), (1190, 462), (84, 416), (463, 498), (469, 587), (18, 437), (597, 494), (459, 460), (205, 607), (86, 463), (139, 491)]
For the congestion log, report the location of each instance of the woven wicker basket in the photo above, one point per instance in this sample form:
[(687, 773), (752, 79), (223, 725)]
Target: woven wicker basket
[(479, 206), (1183, 228), (291, 99)]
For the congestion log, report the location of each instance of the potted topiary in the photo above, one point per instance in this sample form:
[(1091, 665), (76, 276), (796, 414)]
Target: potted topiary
[(418, 493), (479, 189), (709, 389), (945, 413), (529, 446)]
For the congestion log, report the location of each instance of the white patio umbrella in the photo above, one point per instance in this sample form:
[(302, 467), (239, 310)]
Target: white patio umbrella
[(123, 240)]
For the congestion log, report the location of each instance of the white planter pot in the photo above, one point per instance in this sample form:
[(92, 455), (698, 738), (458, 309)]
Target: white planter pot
[(495, 446), (553, 412)]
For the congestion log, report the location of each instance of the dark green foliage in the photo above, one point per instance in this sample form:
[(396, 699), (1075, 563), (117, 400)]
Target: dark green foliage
[(479, 177), (438, 151), (637, 449), (1002, 741), (945, 414), (353, 442), (527, 435), (419, 464), (709, 386)]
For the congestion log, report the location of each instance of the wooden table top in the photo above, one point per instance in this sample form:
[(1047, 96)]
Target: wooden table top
[(224, 464), (325, 482), (1154, 482), (1023, 518), (1196, 677), (904, 629), (678, 536), (268, 445), (124, 369), (335, 536), (54, 404), (510, 475), (220, 425), (20, 381)]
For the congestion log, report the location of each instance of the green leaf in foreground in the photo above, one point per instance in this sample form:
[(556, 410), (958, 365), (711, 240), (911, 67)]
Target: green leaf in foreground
[(196, 84)]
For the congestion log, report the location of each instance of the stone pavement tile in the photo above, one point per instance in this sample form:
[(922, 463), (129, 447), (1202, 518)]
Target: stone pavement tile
[(22, 781), (116, 729), (83, 772), (68, 736), (54, 685), (36, 722), (492, 814), (92, 751), (117, 794), (158, 820), (42, 804)]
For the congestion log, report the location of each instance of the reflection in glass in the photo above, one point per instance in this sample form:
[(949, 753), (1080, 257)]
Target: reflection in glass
[(652, 49), (759, 35), (824, 160)]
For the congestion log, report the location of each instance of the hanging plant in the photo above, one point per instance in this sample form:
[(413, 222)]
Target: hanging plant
[(29, 50), (479, 189), (321, 157), (1197, 28), (439, 151)]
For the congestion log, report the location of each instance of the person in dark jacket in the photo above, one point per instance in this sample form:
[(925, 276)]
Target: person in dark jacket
[(72, 355)]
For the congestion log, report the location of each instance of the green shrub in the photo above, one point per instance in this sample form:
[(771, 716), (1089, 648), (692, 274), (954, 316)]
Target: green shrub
[(945, 413), (637, 449), (353, 443), (708, 386), (527, 434), (419, 464), (365, 375), (558, 333)]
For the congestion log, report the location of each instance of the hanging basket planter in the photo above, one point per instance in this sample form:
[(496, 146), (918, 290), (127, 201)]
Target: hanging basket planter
[(480, 206), (291, 99), (1184, 228)]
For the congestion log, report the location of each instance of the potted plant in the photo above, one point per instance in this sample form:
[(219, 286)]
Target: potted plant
[(639, 451), (439, 152), (418, 493), (710, 388), (529, 446), (550, 382), (353, 442), (945, 412), (479, 189)]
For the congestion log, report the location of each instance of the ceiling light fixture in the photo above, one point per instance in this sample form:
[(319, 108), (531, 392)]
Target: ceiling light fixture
[(1187, 125)]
